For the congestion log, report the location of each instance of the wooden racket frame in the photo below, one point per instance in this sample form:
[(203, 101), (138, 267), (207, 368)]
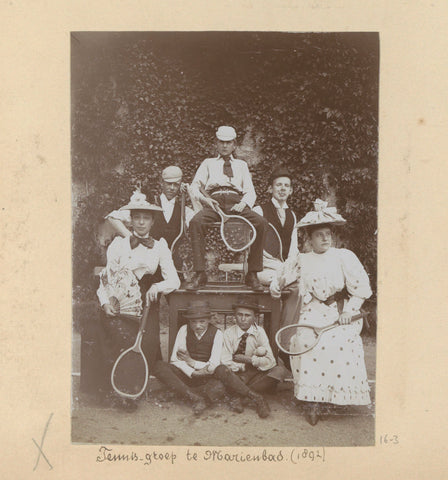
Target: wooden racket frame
[(279, 241), (317, 330), (137, 347), (182, 226), (224, 218)]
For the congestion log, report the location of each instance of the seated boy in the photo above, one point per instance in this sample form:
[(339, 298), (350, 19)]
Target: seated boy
[(282, 220), (248, 366), (281, 237), (196, 354)]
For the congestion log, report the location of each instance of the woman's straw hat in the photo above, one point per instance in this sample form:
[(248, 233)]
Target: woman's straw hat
[(322, 214), (138, 202)]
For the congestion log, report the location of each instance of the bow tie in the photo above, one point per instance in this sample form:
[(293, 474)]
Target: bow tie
[(146, 242)]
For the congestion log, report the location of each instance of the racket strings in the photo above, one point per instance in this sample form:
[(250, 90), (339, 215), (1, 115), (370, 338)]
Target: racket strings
[(295, 340), (130, 374), (237, 233)]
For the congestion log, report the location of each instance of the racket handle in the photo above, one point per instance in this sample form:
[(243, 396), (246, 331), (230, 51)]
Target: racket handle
[(145, 315)]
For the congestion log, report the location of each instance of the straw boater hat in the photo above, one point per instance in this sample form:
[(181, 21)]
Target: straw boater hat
[(246, 301), (197, 309), (322, 214), (138, 202)]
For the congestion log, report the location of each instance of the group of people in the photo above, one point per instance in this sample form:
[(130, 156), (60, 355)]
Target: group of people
[(324, 286)]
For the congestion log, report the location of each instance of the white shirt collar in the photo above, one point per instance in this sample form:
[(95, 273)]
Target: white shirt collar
[(250, 331), (139, 236), (163, 199), (219, 157), (202, 334), (277, 204)]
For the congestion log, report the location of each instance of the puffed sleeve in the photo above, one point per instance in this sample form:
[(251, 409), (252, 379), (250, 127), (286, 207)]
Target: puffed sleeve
[(356, 280), (114, 252), (171, 280)]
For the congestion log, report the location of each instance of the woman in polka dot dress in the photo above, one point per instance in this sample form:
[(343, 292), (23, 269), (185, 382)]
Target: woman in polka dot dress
[(334, 370)]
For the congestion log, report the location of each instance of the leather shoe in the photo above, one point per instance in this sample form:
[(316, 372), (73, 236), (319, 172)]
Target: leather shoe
[(199, 280), (198, 405), (236, 405), (252, 281), (312, 416), (261, 404)]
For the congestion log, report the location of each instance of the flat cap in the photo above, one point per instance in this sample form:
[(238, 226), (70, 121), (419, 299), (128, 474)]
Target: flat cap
[(172, 174)]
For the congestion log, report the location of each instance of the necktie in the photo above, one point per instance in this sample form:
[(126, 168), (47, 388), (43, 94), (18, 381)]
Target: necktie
[(241, 350), (136, 241), (281, 215), (227, 168)]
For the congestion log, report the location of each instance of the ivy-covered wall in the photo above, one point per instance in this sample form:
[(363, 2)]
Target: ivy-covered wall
[(143, 101)]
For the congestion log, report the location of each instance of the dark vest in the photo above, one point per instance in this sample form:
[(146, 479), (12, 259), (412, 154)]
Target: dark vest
[(167, 230), (201, 350), (285, 231)]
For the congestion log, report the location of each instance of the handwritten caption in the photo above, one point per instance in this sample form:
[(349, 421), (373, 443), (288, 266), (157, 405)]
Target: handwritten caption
[(215, 455)]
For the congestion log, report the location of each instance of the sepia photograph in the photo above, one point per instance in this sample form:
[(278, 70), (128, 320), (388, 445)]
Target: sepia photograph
[(224, 238)]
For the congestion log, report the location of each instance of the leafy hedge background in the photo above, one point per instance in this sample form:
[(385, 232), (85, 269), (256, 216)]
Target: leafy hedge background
[(143, 101)]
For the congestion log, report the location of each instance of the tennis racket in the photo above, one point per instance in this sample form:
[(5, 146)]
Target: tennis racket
[(129, 376), (299, 339), (273, 243), (237, 232), (181, 247)]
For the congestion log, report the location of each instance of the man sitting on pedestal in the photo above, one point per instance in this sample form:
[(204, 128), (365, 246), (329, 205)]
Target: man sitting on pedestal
[(228, 182)]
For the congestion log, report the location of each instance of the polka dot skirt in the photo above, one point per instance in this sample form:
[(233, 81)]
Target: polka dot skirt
[(331, 373)]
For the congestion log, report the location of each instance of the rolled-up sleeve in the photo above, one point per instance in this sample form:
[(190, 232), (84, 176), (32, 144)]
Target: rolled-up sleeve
[(199, 180), (215, 355), (181, 344)]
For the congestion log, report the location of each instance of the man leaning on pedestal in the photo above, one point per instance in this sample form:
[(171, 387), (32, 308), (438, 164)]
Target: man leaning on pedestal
[(228, 182), (167, 223)]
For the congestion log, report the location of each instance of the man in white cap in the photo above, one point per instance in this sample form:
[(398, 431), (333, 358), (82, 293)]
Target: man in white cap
[(167, 224), (228, 183)]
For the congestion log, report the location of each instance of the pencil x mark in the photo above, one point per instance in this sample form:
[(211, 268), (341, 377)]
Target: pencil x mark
[(39, 447)]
